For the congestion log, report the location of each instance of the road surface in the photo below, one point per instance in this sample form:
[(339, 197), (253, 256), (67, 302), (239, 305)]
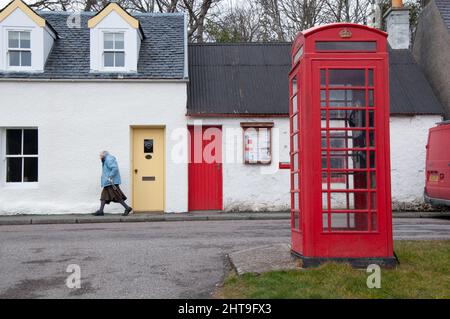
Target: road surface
[(144, 260)]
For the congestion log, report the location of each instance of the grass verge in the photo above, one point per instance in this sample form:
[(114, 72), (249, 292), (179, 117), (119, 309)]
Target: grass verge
[(424, 272)]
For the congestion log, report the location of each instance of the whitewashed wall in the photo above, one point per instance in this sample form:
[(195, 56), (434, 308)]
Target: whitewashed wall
[(253, 187), (78, 120), (259, 187), (409, 136)]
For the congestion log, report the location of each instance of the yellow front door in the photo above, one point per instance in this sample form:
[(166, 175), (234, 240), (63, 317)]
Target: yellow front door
[(148, 169)]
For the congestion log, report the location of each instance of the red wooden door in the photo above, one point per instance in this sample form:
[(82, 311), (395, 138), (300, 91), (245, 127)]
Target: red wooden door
[(205, 168)]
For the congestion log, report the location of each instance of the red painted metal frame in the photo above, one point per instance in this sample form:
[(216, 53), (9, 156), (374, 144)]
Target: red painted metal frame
[(310, 238)]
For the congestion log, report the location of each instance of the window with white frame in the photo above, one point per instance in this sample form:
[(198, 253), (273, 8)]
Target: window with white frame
[(113, 50), (19, 48), (257, 143), (21, 155)]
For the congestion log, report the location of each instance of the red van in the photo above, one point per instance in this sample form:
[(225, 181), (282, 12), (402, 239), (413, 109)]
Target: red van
[(437, 183)]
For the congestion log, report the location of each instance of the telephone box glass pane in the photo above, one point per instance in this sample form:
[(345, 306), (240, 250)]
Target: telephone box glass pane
[(350, 222), (325, 221), (347, 98), (370, 77), (295, 159), (347, 118), (349, 200), (349, 180), (371, 99), (324, 201), (346, 77), (296, 202)]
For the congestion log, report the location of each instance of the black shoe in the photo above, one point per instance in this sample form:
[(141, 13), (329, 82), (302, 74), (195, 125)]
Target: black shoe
[(98, 213), (127, 211)]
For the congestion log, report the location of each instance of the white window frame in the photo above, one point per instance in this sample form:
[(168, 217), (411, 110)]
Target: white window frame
[(5, 157), (113, 50), (8, 49)]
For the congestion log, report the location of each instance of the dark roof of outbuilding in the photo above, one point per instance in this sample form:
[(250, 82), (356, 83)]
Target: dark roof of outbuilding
[(252, 78), (161, 54), (444, 9)]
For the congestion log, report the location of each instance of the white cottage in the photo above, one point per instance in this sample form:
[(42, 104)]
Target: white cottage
[(73, 85)]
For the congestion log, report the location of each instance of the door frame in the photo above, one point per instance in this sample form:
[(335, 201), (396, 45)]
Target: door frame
[(132, 130), (221, 166)]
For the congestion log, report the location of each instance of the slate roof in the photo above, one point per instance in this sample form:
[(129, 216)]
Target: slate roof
[(252, 78), (161, 54), (444, 8)]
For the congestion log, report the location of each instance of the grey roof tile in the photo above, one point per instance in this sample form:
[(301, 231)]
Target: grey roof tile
[(161, 55), (444, 9)]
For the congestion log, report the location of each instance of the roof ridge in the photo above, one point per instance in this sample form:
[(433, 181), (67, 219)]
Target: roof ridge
[(90, 13), (240, 43)]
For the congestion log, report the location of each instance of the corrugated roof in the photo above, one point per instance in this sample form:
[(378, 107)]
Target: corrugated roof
[(161, 53), (252, 78), (444, 9), (239, 78)]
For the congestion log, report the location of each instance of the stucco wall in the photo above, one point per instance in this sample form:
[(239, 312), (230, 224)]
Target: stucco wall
[(75, 122), (258, 187), (431, 49), (253, 187), (409, 136)]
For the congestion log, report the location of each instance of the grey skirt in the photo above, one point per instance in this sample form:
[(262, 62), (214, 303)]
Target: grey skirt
[(112, 194)]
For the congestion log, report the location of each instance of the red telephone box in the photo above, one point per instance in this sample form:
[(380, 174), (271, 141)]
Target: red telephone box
[(340, 162)]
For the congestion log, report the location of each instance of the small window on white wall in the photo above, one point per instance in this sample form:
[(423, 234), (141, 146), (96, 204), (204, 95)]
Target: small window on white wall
[(21, 155), (113, 50), (257, 143), (19, 48)]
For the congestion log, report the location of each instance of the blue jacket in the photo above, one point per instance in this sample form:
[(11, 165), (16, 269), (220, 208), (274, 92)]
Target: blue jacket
[(110, 170)]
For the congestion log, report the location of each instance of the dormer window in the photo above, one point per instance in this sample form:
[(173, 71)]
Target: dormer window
[(115, 40), (113, 50), (26, 39), (19, 48)]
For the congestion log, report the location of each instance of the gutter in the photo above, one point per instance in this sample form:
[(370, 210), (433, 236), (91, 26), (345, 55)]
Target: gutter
[(96, 80)]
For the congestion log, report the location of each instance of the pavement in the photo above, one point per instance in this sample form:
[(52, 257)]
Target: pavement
[(180, 259), (262, 259), (171, 217)]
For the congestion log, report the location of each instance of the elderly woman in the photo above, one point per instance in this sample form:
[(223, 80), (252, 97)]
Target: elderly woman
[(110, 182)]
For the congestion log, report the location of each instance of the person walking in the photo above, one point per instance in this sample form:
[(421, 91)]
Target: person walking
[(110, 182)]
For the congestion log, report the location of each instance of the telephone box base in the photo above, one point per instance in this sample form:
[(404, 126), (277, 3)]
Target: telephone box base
[(311, 262)]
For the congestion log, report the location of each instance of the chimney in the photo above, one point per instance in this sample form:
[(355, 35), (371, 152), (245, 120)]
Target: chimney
[(397, 25)]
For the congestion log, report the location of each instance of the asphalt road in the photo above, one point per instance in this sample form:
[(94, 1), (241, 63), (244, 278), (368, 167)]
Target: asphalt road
[(144, 260)]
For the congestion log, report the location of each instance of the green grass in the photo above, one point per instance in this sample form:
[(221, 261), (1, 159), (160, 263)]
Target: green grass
[(424, 272)]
